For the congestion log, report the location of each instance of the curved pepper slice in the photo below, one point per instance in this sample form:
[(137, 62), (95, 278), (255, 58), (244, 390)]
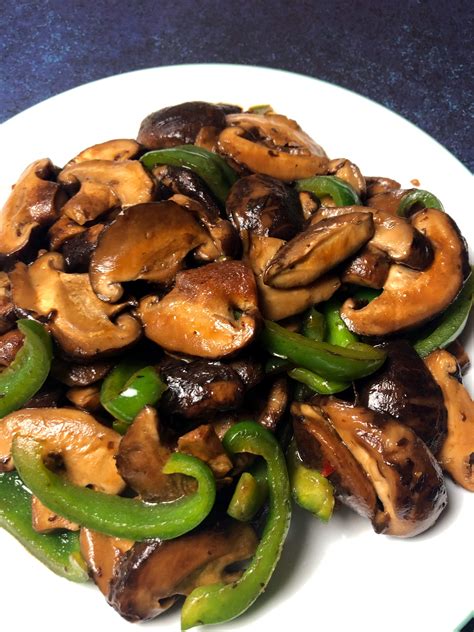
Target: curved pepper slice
[(250, 493), (317, 383), (337, 331), (213, 169), (60, 552), (310, 489), (451, 323), (418, 196), (29, 370), (113, 515), (339, 190), (219, 602), (314, 325), (128, 389), (328, 361)]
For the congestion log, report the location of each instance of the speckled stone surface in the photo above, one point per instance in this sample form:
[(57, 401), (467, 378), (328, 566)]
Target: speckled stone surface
[(413, 57)]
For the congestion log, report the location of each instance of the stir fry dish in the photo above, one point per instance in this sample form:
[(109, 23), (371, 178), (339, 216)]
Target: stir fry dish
[(203, 326)]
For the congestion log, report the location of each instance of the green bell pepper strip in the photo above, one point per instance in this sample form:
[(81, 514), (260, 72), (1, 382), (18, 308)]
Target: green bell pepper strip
[(450, 325), (219, 602), (276, 365), (329, 361), (27, 373), (317, 383), (337, 331), (418, 196), (60, 552), (309, 488), (339, 190), (114, 515), (366, 294), (128, 388), (314, 326), (250, 493), (213, 169)]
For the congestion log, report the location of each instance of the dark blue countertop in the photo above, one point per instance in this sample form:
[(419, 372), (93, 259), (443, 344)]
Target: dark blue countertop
[(413, 57)]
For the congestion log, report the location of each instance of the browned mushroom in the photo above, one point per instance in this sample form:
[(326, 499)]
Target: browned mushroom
[(404, 388), (199, 389), (386, 200), (152, 574), (273, 145), (211, 312), (118, 150), (275, 405), (264, 206), (104, 184), (178, 180), (79, 321), (394, 235), (411, 297), (62, 229), (377, 184), (34, 202), (10, 343), (317, 250), (44, 520), (276, 303), (7, 309), (86, 447), (406, 477), (318, 443), (369, 268), (79, 374), (349, 172), (77, 250), (203, 443), (457, 452), (85, 397), (146, 241), (180, 124), (102, 554), (141, 457)]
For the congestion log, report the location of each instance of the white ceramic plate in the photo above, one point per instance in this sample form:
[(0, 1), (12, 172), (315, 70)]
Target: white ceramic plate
[(339, 576)]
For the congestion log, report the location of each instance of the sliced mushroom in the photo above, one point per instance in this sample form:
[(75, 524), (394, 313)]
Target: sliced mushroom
[(201, 388), (457, 452), (180, 124), (44, 520), (369, 268), (275, 405), (277, 304), (79, 374), (10, 343), (404, 389), (77, 250), (85, 397), (80, 323), (104, 184), (349, 172), (387, 201), (456, 349), (62, 229), (34, 202), (250, 370), (118, 150), (376, 184), (264, 206), (319, 443), (406, 477), (86, 447), (273, 145), (203, 443), (153, 573), (411, 297), (178, 180), (223, 240), (211, 312), (141, 457), (102, 554), (7, 309), (317, 250), (394, 235), (146, 241)]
